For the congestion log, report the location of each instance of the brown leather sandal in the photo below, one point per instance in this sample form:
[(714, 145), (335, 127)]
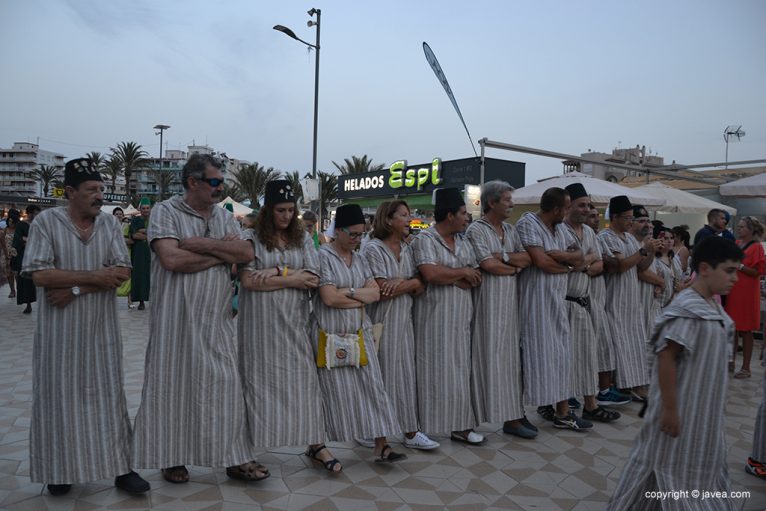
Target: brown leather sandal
[(176, 475), (250, 471)]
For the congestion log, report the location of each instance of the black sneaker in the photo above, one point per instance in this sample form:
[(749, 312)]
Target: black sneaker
[(132, 483), (574, 404), (58, 490), (572, 422), (525, 422), (547, 412), (611, 397)]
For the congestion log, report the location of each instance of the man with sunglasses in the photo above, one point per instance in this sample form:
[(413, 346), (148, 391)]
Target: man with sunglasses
[(192, 408)]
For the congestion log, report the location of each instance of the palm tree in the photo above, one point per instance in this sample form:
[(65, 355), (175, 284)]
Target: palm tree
[(96, 159), (328, 185), (251, 181), (295, 182), (132, 159), (230, 190), (45, 175), (358, 165), (111, 170), (164, 179)]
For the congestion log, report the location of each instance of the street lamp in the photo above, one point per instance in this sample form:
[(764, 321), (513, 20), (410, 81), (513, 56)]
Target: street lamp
[(729, 132), (290, 33), (162, 128)]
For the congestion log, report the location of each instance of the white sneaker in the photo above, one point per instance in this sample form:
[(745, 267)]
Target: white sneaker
[(420, 441), (366, 442)]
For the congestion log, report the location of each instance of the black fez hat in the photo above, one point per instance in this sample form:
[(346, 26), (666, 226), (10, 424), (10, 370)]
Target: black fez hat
[(279, 190), (640, 212), (448, 198), (576, 190), (619, 204), (348, 214), (80, 170)]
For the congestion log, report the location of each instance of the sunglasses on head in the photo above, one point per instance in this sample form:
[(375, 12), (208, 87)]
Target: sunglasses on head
[(212, 181), (352, 235)]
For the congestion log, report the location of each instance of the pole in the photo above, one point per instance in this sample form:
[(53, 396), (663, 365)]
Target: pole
[(481, 168), (726, 137), (316, 112)]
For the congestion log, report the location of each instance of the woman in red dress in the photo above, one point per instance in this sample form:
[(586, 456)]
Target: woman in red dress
[(744, 301)]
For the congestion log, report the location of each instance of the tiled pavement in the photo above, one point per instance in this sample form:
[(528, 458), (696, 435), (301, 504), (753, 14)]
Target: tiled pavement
[(560, 470)]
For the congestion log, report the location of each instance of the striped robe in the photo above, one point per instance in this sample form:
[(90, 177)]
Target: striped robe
[(696, 459), (192, 408), (80, 430), (545, 342), (496, 383), (356, 402), (397, 345), (442, 319), (627, 320), (584, 343), (600, 319), (646, 291), (759, 432), (276, 354)]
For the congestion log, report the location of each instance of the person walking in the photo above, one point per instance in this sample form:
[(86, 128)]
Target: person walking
[(8, 252), (140, 255), (26, 294)]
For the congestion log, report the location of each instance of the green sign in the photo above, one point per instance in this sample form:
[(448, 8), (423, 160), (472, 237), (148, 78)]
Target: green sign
[(402, 177)]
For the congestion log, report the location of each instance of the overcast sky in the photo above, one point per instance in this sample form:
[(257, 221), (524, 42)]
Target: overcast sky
[(566, 76)]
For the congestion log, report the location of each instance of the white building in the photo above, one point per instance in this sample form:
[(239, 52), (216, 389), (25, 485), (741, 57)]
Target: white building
[(630, 156), (16, 164)]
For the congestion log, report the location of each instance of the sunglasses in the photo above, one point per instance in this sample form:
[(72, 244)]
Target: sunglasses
[(212, 181), (352, 235)]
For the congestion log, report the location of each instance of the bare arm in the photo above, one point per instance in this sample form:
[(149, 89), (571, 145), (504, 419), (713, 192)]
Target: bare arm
[(392, 288), (174, 258), (230, 250), (544, 261), (497, 267), (296, 279), (519, 259), (340, 298), (105, 278), (670, 422), (650, 277), (595, 269), (444, 276)]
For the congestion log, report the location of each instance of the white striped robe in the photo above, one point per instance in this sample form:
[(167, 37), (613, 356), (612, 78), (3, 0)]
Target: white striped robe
[(627, 319), (442, 320), (759, 431), (599, 316), (696, 459), (80, 430), (276, 354), (397, 345), (496, 382), (545, 343), (355, 398), (192, 409), (584, 343)]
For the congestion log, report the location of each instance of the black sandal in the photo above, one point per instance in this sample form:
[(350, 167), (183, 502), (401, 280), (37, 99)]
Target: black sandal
[(329, 464), (600, 414), (391, 457)]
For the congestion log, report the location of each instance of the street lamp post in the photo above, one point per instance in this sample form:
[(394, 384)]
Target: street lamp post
[(162, 128), (290, 33)]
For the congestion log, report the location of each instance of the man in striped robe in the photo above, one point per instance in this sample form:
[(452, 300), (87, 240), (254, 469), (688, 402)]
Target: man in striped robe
[(80, 430)]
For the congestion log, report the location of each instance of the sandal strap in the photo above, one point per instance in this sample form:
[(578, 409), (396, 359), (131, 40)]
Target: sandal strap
[(330, 464), (313, 451)]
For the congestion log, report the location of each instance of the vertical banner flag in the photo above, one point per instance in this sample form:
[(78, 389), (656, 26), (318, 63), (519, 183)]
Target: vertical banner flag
[(431, 58)]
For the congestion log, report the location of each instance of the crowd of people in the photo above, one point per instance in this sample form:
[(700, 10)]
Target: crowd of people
[(434, 334)]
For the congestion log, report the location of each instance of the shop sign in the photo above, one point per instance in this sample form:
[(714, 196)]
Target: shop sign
[(400, 176)]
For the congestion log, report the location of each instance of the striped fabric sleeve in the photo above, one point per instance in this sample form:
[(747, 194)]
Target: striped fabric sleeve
[(372, 253), (528, 234), (612, 242), (258, 249), (118, 250), (477, 235), (682, 331), (162, 224), (39, 251), (326, 275), (518, 246), (423, 250)]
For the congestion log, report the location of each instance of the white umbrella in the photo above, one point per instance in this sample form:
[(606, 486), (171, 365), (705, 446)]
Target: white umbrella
[(239, 209), (680, 201), (600, 191), (753, 186)]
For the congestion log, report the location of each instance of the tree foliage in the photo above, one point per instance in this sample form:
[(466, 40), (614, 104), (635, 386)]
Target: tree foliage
[(111, 171), (45, 175), (328, 184), (250, 181), (164, 179), (132, 159), (358, 165)]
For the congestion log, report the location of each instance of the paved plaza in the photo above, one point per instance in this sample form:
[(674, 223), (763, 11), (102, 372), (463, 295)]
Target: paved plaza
[(560, 470)]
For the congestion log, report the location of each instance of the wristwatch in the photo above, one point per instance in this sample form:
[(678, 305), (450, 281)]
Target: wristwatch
[(76, 290), (643, 252), (570, 268), (351, 292)]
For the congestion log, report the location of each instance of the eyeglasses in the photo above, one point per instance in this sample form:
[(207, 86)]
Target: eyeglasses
[(352, 235), (212, 181)]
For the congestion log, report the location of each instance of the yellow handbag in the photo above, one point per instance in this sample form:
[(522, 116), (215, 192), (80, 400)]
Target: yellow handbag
[(342, 350)]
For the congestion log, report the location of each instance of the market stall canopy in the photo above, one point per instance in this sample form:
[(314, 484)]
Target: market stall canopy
[(599, 190), (129, 211), (679, 201), (239, 209), (753, 186)]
